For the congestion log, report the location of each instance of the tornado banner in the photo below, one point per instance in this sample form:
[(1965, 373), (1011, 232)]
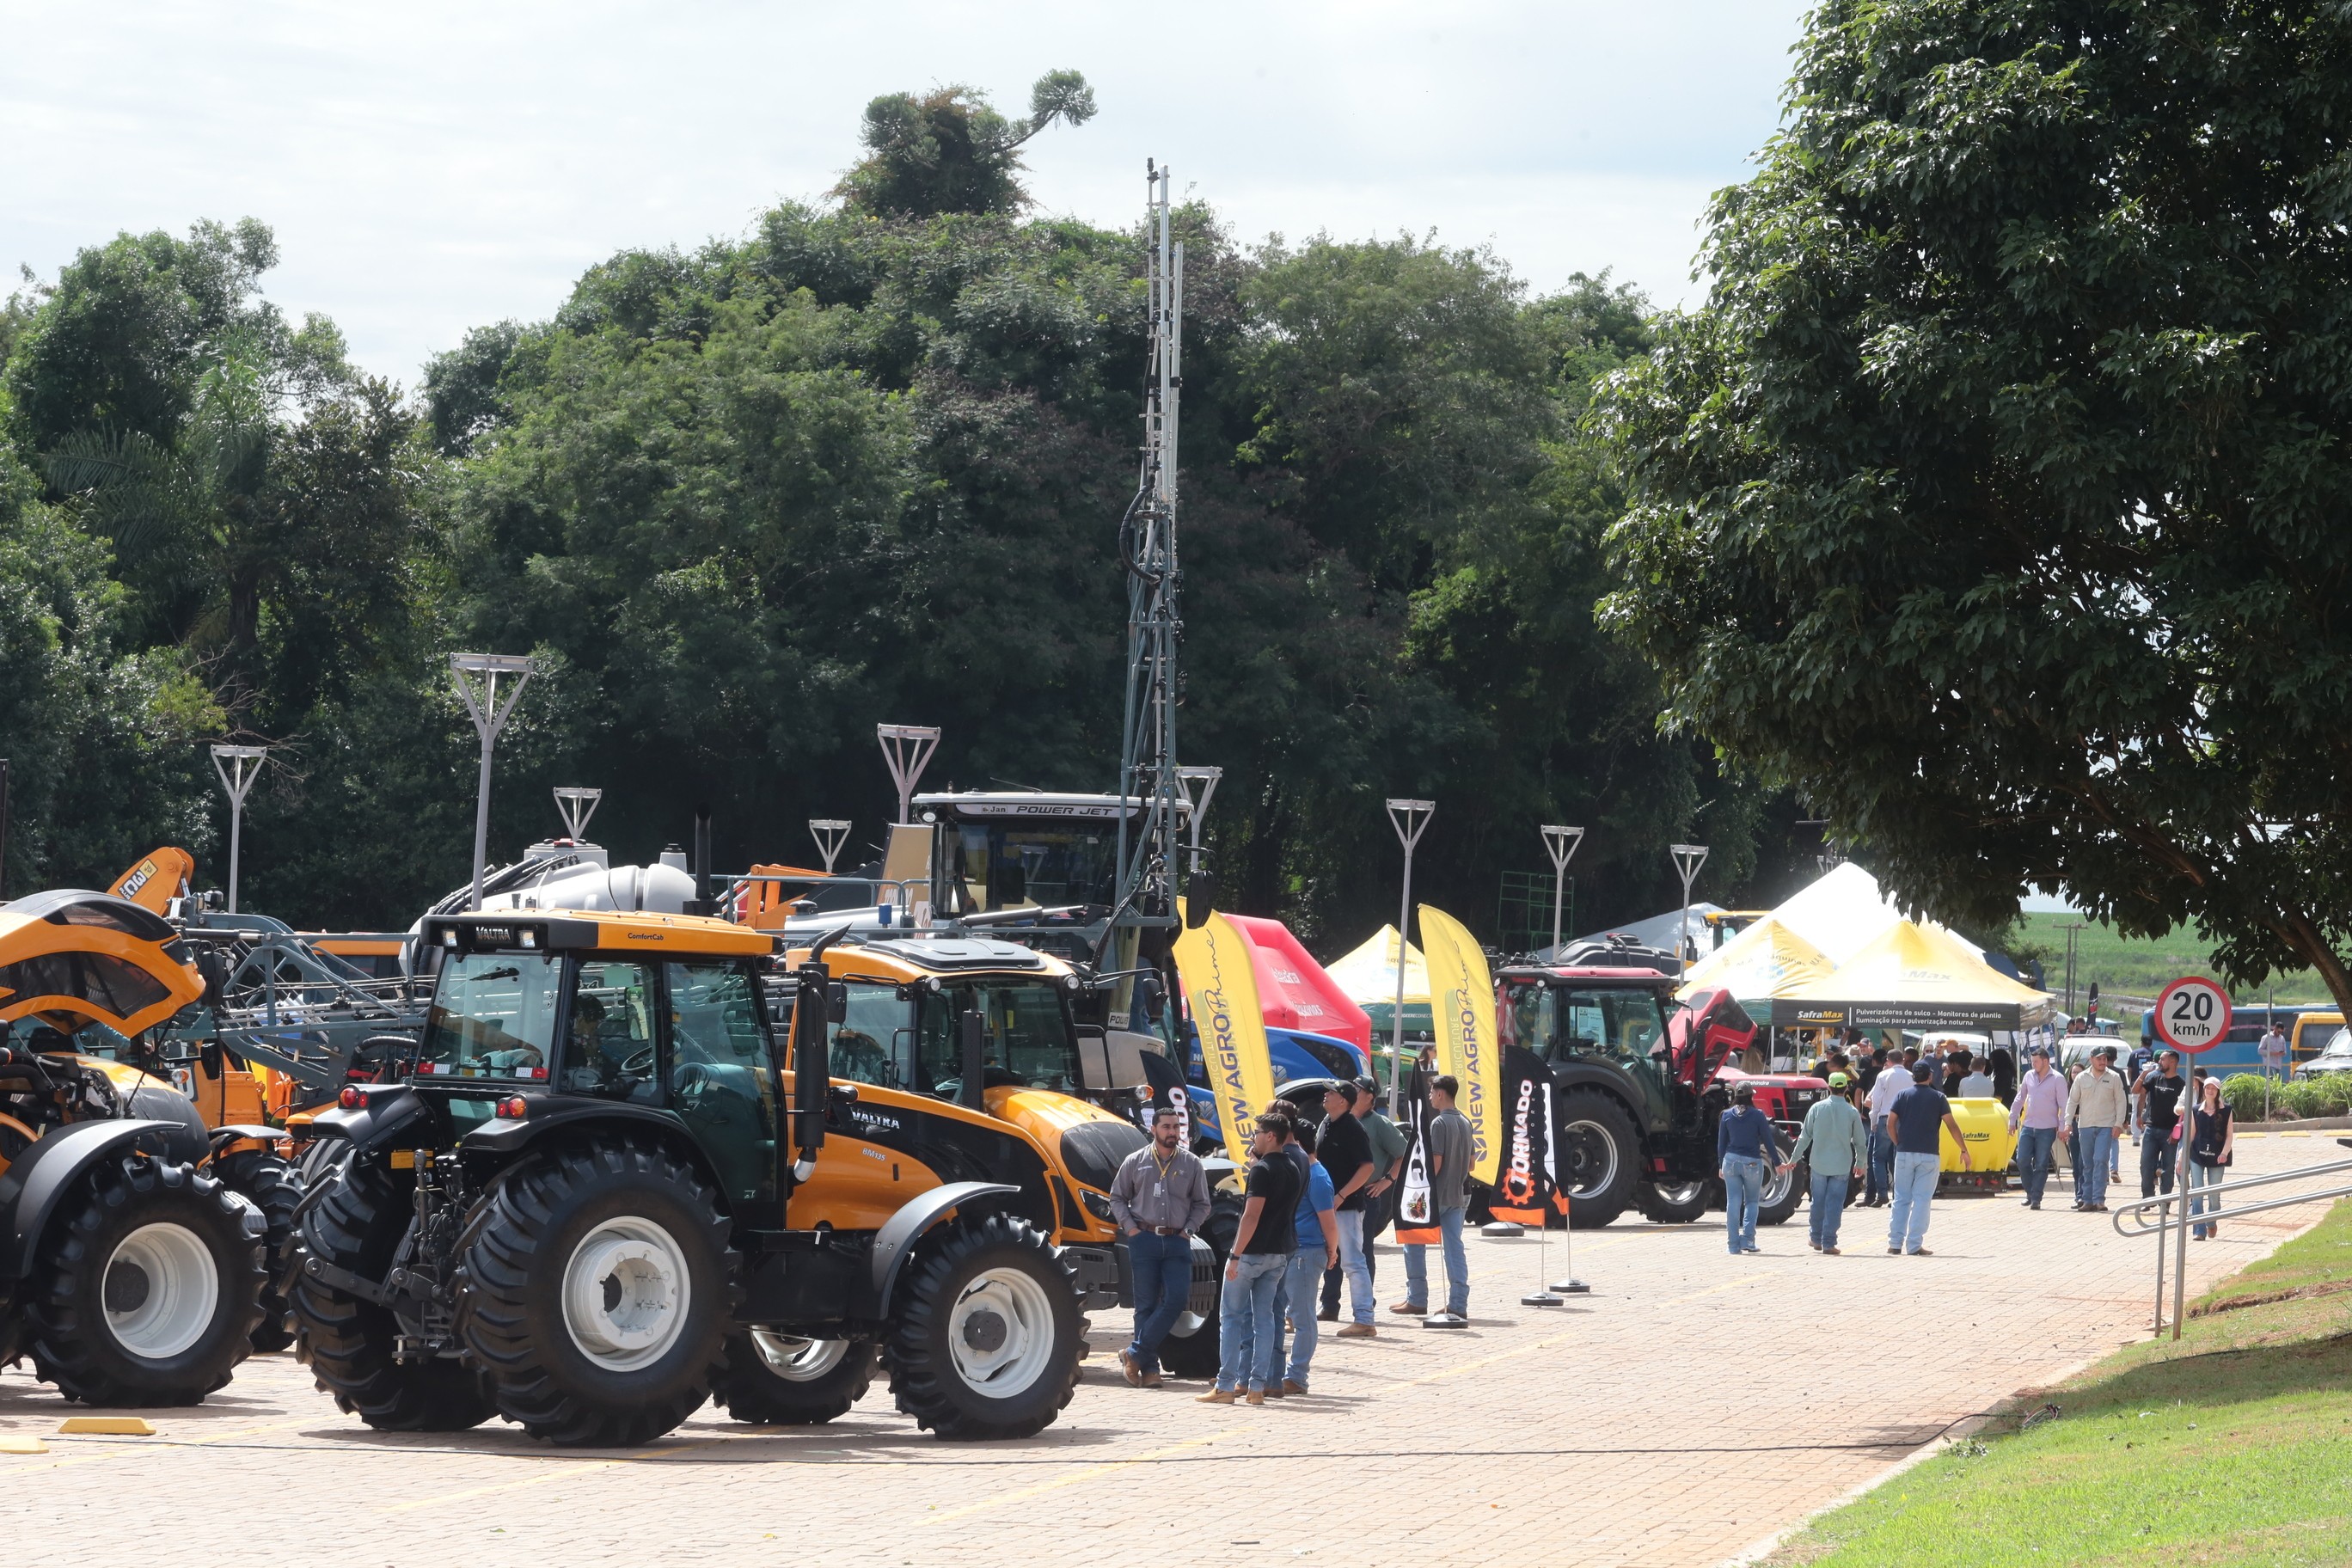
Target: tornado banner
[(1461, 1001), (1529, 1180), (1213, 962)]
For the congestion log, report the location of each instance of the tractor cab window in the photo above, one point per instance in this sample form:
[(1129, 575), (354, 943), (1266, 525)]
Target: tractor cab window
[(1557, 1023), (1026, 1041), (722, 1078), (872, 1044), (609, 1049), (493, 1015), (996, 865)]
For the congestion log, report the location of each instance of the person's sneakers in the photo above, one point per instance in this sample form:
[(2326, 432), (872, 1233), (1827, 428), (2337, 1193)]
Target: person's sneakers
[(1919, 1252), (1753, 1251), (1445, 1321), (1216, 1396), (1357, 1331), (1126, 1366), (1271, 1391), (1327, 1315), (2036, 1207), (1814, 1245), (1292, 1385), (1152, 1380), (1409, 1309), (1258, 1396), (1895, 1251), (1828, 1251)]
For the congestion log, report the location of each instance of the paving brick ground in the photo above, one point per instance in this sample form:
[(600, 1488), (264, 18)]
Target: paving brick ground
[(1685, 1409)]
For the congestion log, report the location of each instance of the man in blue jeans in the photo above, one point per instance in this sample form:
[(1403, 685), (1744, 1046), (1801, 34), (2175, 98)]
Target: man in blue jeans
[(1262, 1248), (1834, 1146), (1893, 1080), (2098, 1106), (1446, 1141), (1745, 1151), (1159, 1198), (1318, 1226), (2036, 1114), (1920, 1114)]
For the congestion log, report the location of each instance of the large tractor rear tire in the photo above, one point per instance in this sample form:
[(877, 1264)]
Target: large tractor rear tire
[(1672, 1203), (146, 1290), (775, 1379), (348, 1343), (596, 1286), (988, 1332), (270, 1184), (1602, 1155)]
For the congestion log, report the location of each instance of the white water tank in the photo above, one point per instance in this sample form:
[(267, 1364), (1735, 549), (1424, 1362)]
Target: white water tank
[(654, 889)]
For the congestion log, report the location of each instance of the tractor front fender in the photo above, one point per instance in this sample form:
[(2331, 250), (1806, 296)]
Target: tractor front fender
[(39, 1179), (900, 1233)]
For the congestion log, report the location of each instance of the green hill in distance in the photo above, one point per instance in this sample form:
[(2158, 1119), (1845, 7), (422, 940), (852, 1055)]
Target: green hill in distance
[(2140, 966)]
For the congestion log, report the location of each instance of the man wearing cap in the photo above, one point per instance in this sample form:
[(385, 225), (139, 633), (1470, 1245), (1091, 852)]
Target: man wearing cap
[(1835, 1143), (2040, 1109), (1390, 1147), (2098, 1107), (1920, 1116)]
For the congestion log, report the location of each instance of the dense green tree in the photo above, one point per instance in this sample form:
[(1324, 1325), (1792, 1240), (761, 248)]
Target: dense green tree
[(1997, 499), (950, 151)]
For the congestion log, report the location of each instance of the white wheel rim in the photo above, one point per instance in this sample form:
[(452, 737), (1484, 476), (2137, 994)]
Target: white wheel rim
[(1684, 1195), (1776, 1189), (797, 1360), (1590, 1145), (162, 1288), (625, 1294), (1000, 1332)]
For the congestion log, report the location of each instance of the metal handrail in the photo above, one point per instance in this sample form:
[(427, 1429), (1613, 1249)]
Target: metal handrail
[(2161, 1205)]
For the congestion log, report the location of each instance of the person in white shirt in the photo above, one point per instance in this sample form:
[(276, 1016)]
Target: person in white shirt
[(1893, 1078)]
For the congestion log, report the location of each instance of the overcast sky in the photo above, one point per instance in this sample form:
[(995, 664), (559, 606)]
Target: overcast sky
[(431, 166)]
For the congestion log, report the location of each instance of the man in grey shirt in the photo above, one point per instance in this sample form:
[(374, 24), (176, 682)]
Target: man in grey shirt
[(1446, 1144), (1159, 1198)]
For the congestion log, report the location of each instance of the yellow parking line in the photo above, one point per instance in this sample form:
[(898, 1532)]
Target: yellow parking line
[(555, 1473), (147, 1448), (1091, 1472)]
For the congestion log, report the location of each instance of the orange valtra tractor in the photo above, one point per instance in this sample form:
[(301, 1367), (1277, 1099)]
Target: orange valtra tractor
[(132, 1271)]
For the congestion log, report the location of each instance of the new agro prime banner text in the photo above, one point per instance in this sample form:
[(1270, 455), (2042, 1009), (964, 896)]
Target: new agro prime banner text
[(1461, 1001), (1214, 962)]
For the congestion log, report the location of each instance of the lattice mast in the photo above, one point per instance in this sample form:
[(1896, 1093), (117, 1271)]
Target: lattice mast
[(1148, 850)]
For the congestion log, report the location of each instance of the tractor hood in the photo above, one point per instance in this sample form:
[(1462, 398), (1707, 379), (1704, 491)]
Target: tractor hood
[(72, 956), (1704, 1036), (1090, 1142)]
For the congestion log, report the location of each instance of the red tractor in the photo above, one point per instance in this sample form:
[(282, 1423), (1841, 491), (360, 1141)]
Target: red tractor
[(1639, 1083)]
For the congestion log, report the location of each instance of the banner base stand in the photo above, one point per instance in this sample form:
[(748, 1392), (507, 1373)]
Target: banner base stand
[(1542, 1299), (1501, 1229), (1572, 1287)]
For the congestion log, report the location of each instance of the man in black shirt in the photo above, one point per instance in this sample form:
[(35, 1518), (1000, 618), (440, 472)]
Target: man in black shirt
[(1262, 1248), (1346, 1151), (2159, 1093)]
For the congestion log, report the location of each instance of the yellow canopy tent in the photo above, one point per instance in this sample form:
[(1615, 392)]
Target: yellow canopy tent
[(1765, 961), (1368, 977), (1911, 976)]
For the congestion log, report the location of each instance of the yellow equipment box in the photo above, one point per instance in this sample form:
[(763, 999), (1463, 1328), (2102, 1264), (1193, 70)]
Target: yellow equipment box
[(1992, 1146)]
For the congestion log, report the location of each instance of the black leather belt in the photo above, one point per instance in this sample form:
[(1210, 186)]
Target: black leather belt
[(1165, 1229)]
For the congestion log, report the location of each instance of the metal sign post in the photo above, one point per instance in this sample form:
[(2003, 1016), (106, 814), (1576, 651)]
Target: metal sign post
[(577, 805), (829, 832), (239, 766), (490, 716), (1411, 820), (1560, 844), (907, 749), (2192, 1016), (1688, 858)]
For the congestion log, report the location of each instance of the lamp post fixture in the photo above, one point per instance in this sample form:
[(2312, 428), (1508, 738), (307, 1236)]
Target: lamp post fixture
[(907, 749), (1688, 858), (829, 832), (476, 675), (578, 805), (239, 766), (1561, 843), (1207, 779), (1411, 820)]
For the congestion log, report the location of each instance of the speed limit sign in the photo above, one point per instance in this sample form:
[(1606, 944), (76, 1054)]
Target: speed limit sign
[(2193, 1013)]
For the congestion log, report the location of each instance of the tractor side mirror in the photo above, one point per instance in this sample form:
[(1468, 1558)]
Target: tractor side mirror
[(975, 1064), (812, 1066)]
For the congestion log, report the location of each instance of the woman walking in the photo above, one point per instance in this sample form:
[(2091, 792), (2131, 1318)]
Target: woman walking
[(2212, 1138), (1746, 1150)]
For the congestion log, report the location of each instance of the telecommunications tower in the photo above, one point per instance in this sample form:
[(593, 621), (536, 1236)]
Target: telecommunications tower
[(1149, 840)]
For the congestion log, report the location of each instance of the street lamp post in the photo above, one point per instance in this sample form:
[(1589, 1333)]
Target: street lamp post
[(1411, 820), (1561, 843), (1207, 779), (1688, 858), (578, 805), (829, 832), (907, 749), (239, 766), (476, 675)]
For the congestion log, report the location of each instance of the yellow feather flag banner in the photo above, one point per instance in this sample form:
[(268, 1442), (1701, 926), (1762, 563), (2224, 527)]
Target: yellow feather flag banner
[(1462, 1001), (1214, 964)]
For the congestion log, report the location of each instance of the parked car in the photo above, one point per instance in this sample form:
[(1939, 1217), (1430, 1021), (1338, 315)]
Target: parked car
[(2335, 1056)]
